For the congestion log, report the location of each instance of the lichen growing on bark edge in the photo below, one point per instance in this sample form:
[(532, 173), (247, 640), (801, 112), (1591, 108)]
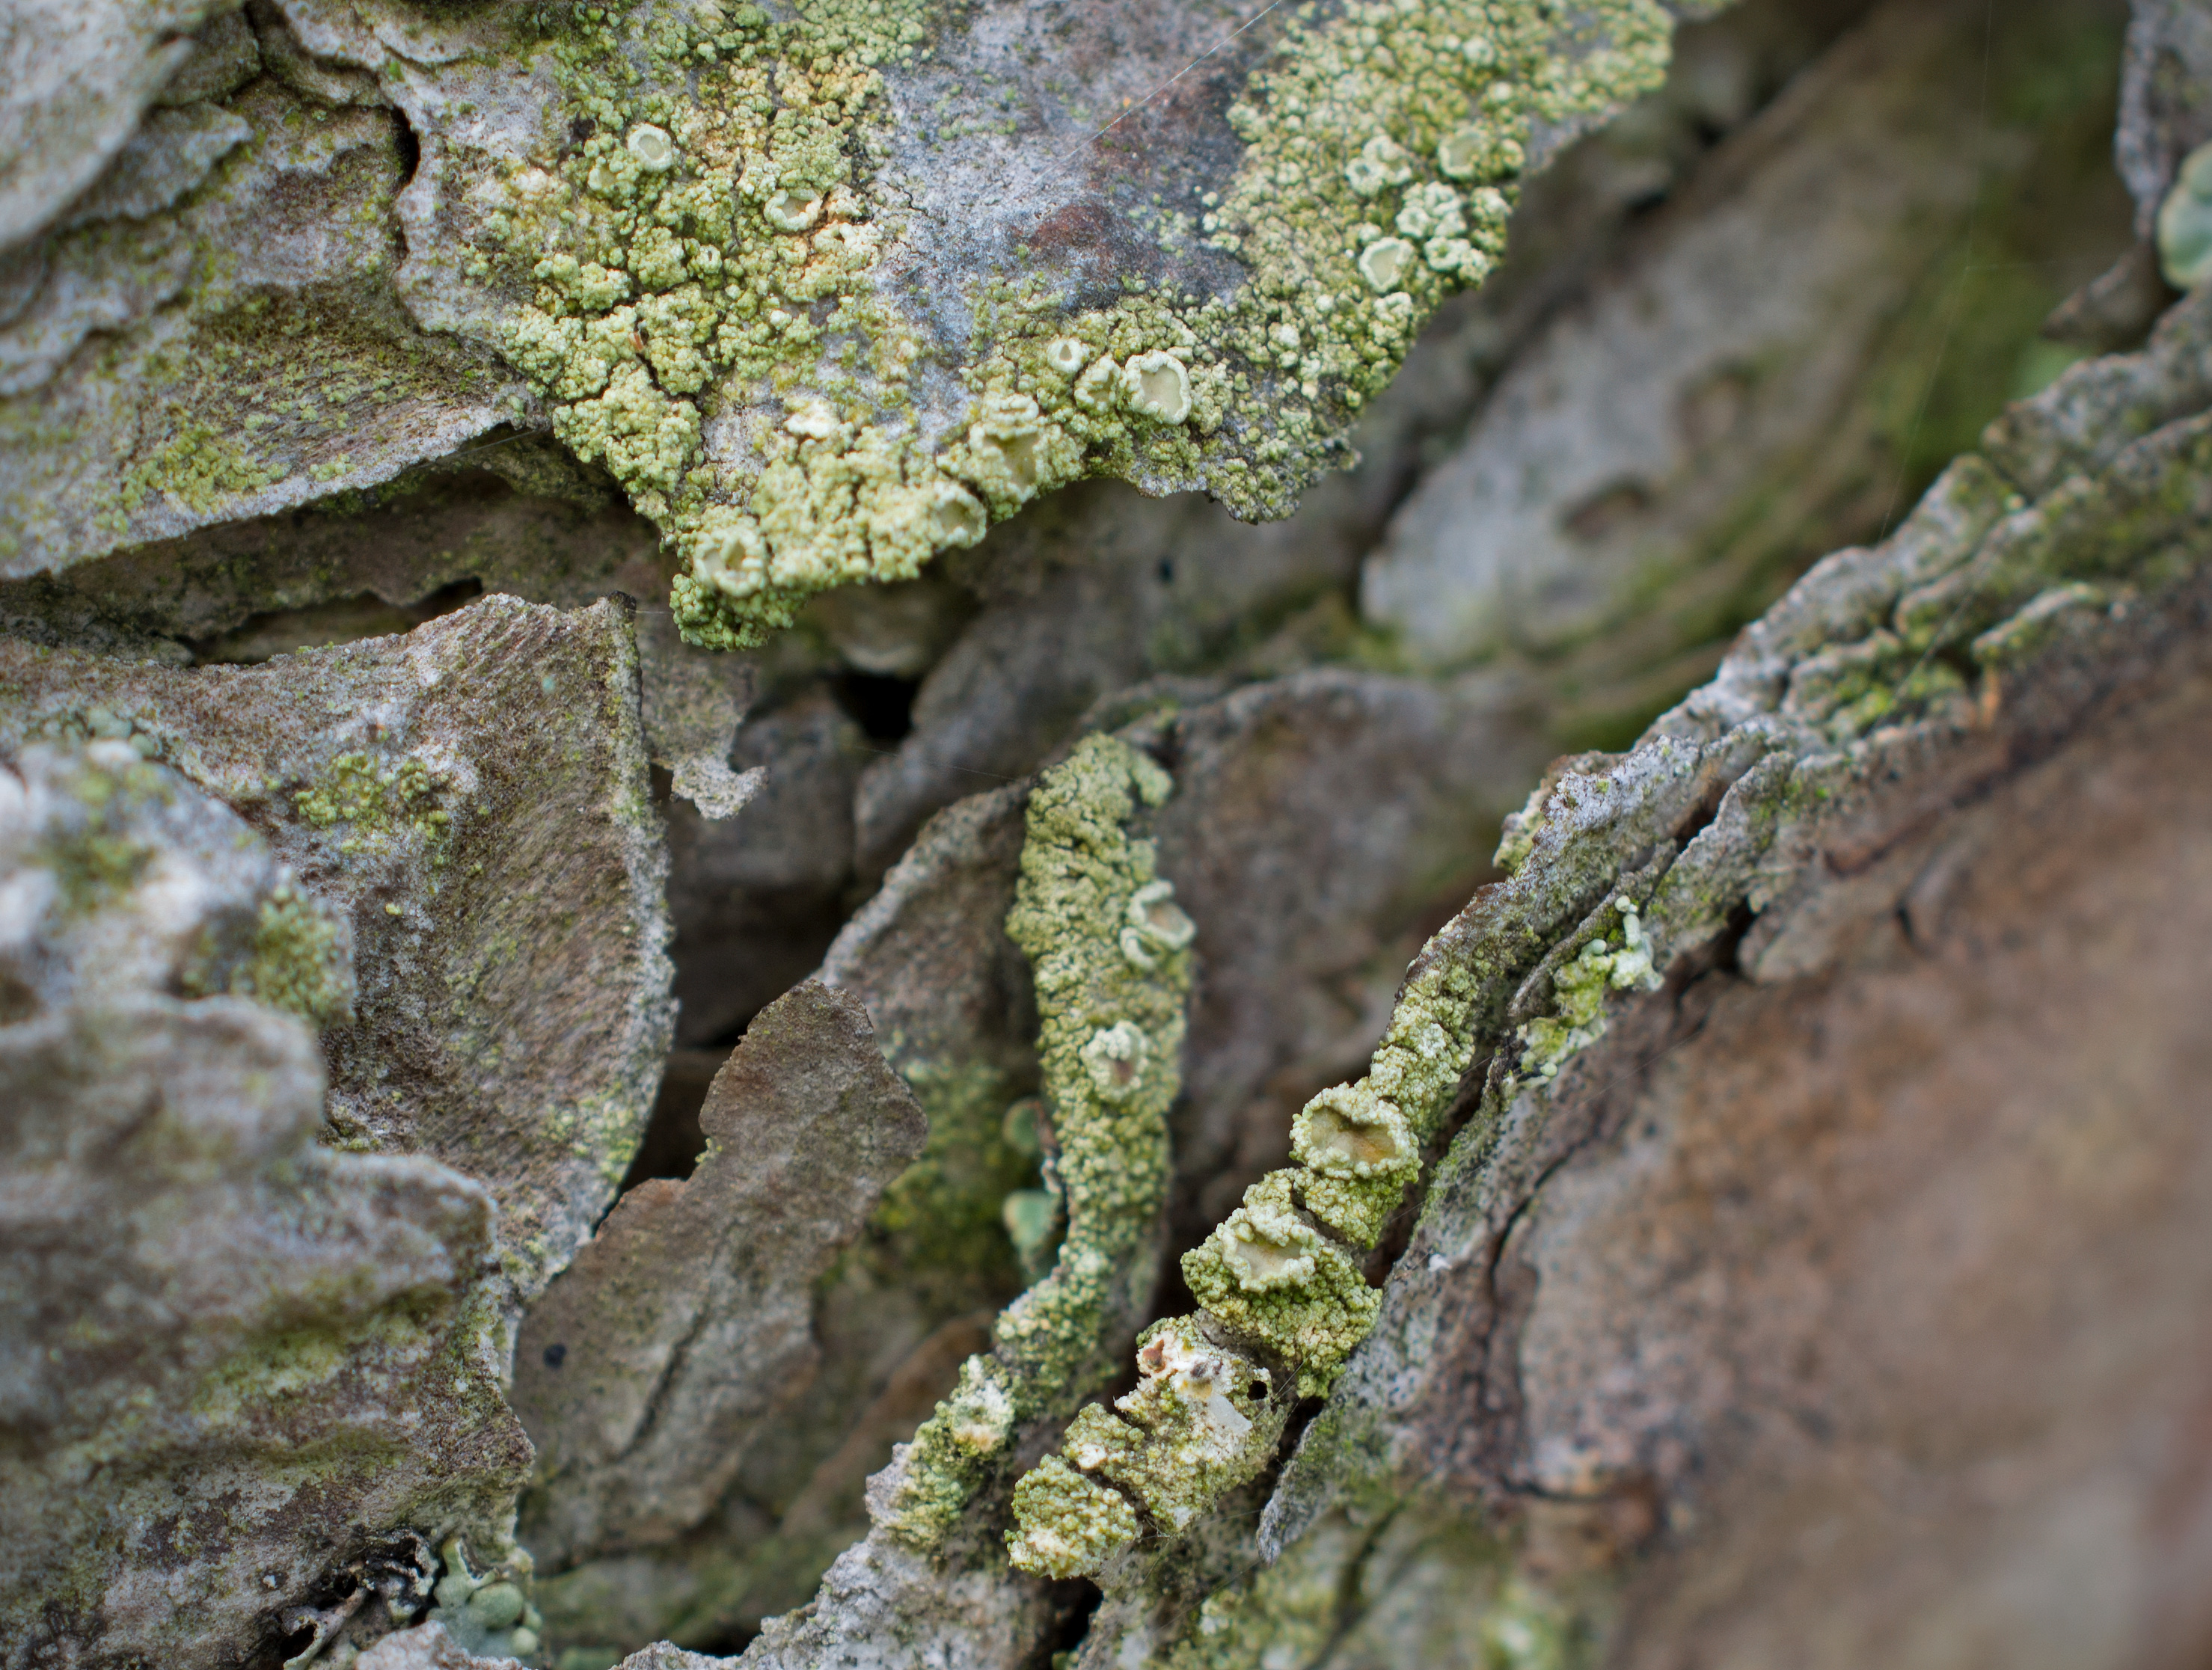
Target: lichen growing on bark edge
[(1110, 956), (1284, 1300), (712, 253), (1602, 895)]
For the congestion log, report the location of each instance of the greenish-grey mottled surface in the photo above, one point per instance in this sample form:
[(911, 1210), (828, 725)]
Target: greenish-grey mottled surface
[(2075, 512), (803, 282), (1794, 1104), (216, 1325), (475, 803)]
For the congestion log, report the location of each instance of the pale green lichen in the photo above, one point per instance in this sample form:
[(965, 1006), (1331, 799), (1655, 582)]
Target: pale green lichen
[(1277, 1279), (380, 801), (489, 1614), (99, 724), (602, 1129), (1070, 1524), (2185, 222), (1110, 1039), (1850, 689), (300, 961), (1348, 205), (1401, 1578), (705, 246), (709, 251), (1202, 1419), (96, 863), (939, 1227), (1359, 1153), (1033, 1218), (1578, 992)]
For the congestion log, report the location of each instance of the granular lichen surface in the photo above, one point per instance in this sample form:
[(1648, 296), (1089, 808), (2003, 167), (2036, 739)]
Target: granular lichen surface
[(1110, 954), (725, 252)]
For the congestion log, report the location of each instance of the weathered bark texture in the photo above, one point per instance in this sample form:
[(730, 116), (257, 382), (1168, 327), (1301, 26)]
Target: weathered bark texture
[(1778, 1314), (473, 799), (530, 1135), (242, 1365), (692, 1304)]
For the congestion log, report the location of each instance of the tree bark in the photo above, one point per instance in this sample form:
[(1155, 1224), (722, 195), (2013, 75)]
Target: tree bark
[(625, 810)]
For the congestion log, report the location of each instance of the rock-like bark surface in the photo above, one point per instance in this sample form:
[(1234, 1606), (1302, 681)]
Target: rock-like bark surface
[(469, 918), (473, 798), (1802, 1260), (684, 1324), (79, 79), (1772, 1320), (248, 1376), (1895, 1223), (1755, 1322)]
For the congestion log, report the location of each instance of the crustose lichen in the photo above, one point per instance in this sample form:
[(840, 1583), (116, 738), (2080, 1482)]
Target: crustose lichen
[(1284, 1302), (1110, 952), (1578, 989), (707, 313)]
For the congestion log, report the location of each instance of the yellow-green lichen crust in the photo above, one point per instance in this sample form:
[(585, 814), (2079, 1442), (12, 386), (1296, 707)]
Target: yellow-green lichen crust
[(2185, 222), (710, 252), (1383, 149), (1069, 1524), (1275, 1279), (301, 963), (1358, 1153), (1110, 956), (379, 802), (1578, 989), (1204, 1419), (705, 248), (1278, 1271)]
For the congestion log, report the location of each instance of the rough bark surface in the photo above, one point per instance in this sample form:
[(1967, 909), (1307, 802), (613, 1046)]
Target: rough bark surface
[(1741, 1205), (473, 799), (239, 1362), (686, 1321)]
